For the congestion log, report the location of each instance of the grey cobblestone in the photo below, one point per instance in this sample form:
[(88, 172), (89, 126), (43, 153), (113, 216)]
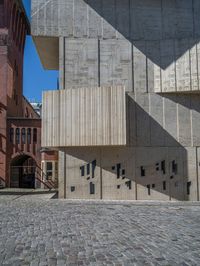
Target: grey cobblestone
[(38, 231)]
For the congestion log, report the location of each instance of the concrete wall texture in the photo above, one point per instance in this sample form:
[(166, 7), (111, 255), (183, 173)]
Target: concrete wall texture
[(152, 48)]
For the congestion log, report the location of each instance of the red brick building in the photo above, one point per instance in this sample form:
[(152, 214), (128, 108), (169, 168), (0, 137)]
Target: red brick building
[(20, 125)]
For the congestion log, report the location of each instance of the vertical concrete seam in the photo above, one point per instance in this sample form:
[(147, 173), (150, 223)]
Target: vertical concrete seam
[(190, 66), (132, 66), (99, 64), (175, 63), (64, 69), (197, 172), (197, 58)]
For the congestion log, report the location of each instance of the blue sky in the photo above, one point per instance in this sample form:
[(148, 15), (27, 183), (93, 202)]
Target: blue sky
[(36, 79)]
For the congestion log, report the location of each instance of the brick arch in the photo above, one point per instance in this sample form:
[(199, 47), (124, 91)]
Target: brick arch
[(22, 171)]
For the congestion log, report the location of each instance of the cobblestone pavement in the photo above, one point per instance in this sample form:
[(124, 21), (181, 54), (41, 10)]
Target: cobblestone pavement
[(37, 230)]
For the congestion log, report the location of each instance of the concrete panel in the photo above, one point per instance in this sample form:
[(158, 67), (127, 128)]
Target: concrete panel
[(192, 174), (78, 180), (123, 18), (115, 186), (143, 120), (131, 122), (185, 23), (156, 128), (196, 4), (184, 121), (168, 74), (116, 63), (109, 21), (145, 25), (139, 67), (81, 63), (182, 65), (153, 69), (80, 19), (99, 114), (195, 107), (95, 20), (194, 66), (66, 18), (170, 120)]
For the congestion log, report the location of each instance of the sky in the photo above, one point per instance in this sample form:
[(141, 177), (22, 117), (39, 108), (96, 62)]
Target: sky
[(36, 78)]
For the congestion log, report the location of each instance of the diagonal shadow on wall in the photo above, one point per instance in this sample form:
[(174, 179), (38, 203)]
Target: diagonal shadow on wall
[(146, 23), (153, 158)]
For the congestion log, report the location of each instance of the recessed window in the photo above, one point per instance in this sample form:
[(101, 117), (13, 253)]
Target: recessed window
[(49, 170), (129, 184), (174, 167), (72, 189), (94, 163), (11, 135), (153, 185), (123, 171), (29, 135), (149, 189), (35, 135), (118, 170), (164, 185), (118, 186), (82, 168), (92, 188), (188, 187), (163, 167), (23, 135), (88, 169), (142, 171), (113, 168), (17, 136)]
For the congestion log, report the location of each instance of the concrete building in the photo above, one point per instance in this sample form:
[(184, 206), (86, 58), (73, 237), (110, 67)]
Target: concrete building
[(20, 125), (126, 120)]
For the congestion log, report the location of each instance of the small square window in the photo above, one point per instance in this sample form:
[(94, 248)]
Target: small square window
[(72, 189), (153, 185), (113, 168), (118, 186)]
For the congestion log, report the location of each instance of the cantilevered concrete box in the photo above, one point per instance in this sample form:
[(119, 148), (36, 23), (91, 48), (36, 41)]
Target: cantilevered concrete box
[(84, 117)]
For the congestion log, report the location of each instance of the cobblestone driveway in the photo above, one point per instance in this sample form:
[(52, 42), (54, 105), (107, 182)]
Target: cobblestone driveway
[(36, 230)]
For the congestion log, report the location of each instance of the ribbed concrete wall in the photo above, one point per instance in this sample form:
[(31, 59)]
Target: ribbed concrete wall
[(84, 117)]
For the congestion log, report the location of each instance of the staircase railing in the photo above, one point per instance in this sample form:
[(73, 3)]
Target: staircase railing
[(42, 178)]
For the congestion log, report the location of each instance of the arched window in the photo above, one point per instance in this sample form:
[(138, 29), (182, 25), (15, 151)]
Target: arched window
[(29, 135), (35, 135), (17, 136), (11, 135), (23, 135)]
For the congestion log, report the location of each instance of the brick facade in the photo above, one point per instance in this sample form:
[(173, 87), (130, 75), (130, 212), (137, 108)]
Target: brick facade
[(20, 125)]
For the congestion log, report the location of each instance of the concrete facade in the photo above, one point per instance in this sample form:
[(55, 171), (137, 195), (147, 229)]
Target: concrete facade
[(151, 48)]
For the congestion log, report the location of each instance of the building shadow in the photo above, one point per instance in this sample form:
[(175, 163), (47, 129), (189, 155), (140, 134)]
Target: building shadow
[(153, 159), (147, 25)]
